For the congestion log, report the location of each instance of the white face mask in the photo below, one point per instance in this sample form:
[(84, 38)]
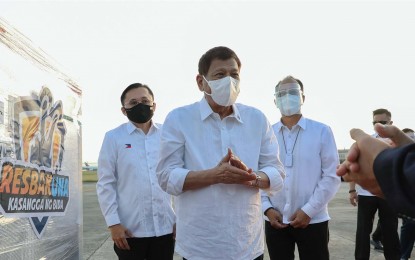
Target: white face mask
[(224, 90), (289, 104)]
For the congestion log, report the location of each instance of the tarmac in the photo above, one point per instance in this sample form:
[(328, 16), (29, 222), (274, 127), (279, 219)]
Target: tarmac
[(98, 245)]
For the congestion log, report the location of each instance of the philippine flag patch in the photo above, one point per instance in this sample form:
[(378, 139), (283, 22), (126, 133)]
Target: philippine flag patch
[(127, 145)]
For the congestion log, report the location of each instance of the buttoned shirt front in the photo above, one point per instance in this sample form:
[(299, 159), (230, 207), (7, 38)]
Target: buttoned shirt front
[(221, 221), (127, 188), (311, 180)]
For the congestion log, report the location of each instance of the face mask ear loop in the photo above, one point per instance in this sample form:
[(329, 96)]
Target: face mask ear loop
[(208, 85), (301, 98)]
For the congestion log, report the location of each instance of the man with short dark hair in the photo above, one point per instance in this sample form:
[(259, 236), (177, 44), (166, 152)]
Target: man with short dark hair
[(215, 157), (368, 204), (137, 211)]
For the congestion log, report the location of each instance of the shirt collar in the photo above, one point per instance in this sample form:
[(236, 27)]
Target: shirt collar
[(206, 111), (131, 127), (301, 123)]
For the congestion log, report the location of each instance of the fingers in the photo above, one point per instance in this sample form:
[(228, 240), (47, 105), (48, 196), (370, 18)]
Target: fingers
[(350, 165), (124, 244), (298, 223), (238, 163), (230, 153), (239, 173), (345, 172), (299, 219), (354, 167), (353, 153), (119, 235), (235, 161), (232, 175), (357, 134), (275, 219), (392, 132), (277, 224), (232, 170), (121, 243), (341, 169), (227, 157), (128, 233)]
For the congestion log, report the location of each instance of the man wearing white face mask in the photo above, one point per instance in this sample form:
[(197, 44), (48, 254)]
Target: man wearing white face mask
[(215, 157), (298, 214)]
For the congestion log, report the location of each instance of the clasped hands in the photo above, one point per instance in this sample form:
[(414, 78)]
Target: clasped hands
[(232, 170), (298, 220)]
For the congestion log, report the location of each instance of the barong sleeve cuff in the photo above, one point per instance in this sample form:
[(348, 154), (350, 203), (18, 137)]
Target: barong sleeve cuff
[(276, 181), (112, 220), (309, 210), (176, 181)]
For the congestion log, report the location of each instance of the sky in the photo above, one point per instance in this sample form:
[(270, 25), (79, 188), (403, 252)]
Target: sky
[(352, 56)]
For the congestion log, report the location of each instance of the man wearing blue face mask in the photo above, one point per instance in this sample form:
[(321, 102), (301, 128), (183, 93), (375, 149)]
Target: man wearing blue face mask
[(298, 214), (137, 211), (215, 157)]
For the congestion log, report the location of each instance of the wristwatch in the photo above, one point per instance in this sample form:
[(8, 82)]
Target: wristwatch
[(257, 180)]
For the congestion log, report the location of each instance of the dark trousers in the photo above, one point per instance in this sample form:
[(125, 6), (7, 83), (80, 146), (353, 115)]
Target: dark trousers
[(377, 234), (407, 238), (148, 248), (312, 242), (258, 258), (366, 210)]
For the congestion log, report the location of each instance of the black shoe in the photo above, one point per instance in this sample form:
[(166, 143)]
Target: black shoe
[(377, 245)]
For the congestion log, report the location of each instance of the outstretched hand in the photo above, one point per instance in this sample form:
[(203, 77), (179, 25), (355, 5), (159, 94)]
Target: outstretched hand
[(358, 166)]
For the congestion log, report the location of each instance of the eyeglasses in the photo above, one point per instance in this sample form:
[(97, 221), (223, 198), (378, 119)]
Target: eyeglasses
[(293, 92), (381, 122)]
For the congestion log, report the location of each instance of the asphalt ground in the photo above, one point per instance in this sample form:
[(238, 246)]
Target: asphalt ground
[(97, 244)]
